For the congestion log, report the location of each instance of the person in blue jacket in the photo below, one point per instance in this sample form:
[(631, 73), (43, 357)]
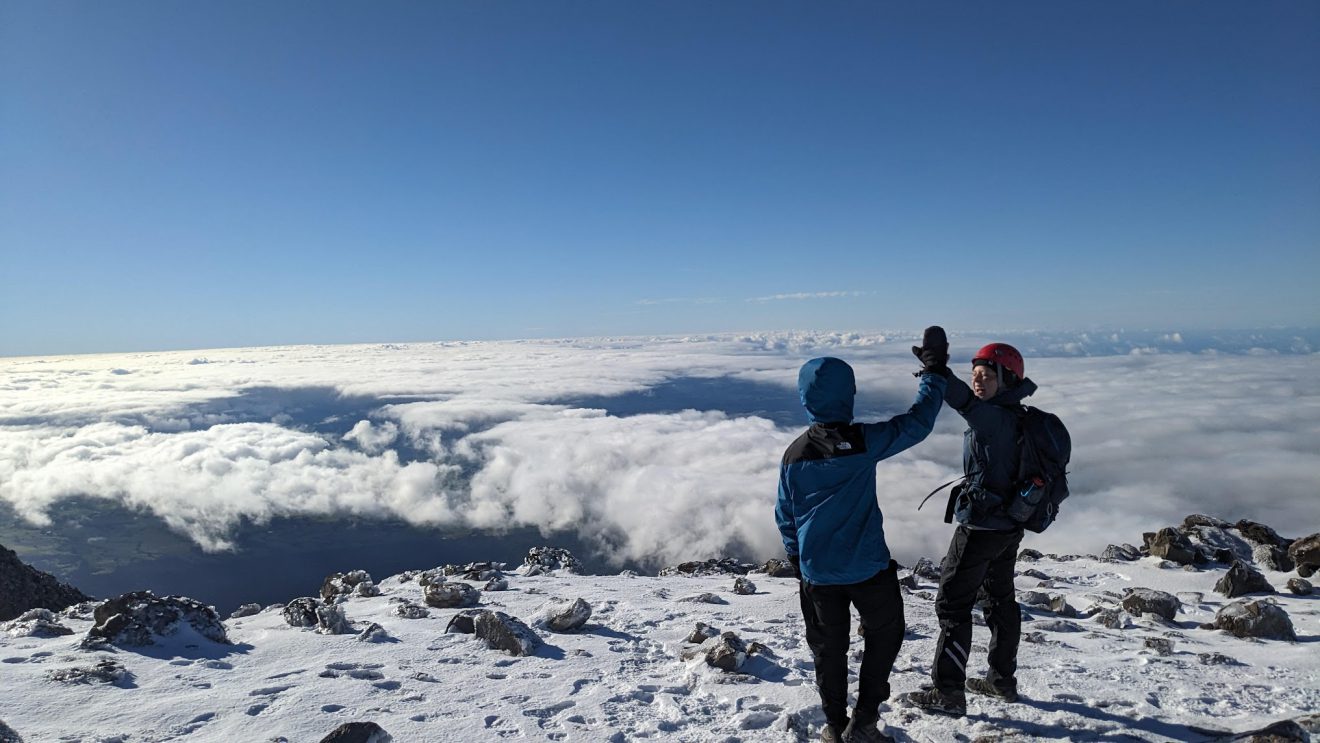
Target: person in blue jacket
[(984, 548), (833, 530)]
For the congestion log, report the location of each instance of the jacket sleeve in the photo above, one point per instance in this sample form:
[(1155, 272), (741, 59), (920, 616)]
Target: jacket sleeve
[(784, 514), (960, 397), (884, 440)]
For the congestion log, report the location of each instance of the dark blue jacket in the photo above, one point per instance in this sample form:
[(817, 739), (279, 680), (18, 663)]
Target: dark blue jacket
[(827, 510), (990, 452)]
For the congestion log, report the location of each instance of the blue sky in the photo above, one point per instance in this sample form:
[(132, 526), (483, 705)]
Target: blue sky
[(188, 175)]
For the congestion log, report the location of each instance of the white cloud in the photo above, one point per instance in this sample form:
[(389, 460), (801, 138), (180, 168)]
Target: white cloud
[(204, 446), (798, 296)]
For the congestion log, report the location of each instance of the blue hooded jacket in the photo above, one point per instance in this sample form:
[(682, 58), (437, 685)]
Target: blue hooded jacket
[(827, 511)]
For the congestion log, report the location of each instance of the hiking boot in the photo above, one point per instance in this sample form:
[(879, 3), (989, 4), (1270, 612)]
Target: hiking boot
[(831, 734), (864, 733), (935, 700), (986, 688)]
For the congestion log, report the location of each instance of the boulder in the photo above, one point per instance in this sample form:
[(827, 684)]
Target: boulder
[(1216, 659), (343, 584), (1161, 645), (1026, 554), (1258, 533), (702, 633), (1033, 598), (36, 623), (564, 617), (1242, 579), (703, 598), (1114, 618), (743, 587), (1060, 606), (367, 589), (246, 610), (23, 587), (1300, 586), (358, 732), (463, 623), (1272, 557), (301, 612), (1305, 553), (330, 620), (1139, 601), (700, 568), (909, 582), (498, 583), (409, 610), (106, 671), (1120, 553), (1260, 619), (777, 568), (8, 734), (1196, 519), (1283, 731), (137, 619), (503, 632), (552, 558), (1034, 573), (374, 633), (1172, 545), (428, 577), (451, 595), (727, 653), (926, 568)]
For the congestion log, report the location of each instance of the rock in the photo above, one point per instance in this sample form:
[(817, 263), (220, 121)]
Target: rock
[(1170, 544), (105, 671), (564, 617), (358, 732), (1272, 557), (463, 623), (367, 589), (36, 623), (343, 584), (1260, 619), (23, 587), (1258, 533), (1034, 573), (909, 582), (925, 568), (1300, 586), (728, 653), (1242, 579), (1056, 625), (1283, 731), (8, 734), (503, 632), (81, 610), (1197, 519), (496, 584), (1034, 598), (451, 595), (246, 610), (552, 558), (1190, 597), (409, 610), (777, 568), (301, 612), (743, 587), (136, 619), (697, 569), (1305, 553), (702, 633), (429, 577), (1029, 555), (374, 633), (1139, 601), (1120, 553), (330, 620), (1059, 605), (1161, 645), (1114, 618), (1216, 659), (703, 598)]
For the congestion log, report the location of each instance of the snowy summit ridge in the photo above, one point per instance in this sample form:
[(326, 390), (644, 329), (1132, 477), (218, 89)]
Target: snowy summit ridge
[(1201, 633)]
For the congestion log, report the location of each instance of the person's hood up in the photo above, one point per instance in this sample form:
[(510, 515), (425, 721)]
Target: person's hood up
[(827, 386), (1014, 395)]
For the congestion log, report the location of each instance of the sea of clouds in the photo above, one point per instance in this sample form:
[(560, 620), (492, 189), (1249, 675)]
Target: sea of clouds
[(605, 439)]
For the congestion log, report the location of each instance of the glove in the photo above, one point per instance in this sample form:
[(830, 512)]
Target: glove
[(796, 562), (933, 352)]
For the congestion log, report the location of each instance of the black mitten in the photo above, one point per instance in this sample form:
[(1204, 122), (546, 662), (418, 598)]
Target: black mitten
[(933, 351)]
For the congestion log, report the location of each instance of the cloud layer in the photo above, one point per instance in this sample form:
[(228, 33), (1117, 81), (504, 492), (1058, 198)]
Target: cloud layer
[(485, 436)]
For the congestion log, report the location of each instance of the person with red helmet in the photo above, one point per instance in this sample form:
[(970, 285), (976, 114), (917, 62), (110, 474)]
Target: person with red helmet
[(984, 548)]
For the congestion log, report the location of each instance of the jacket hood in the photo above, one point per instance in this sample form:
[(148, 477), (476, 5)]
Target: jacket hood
[(1014, 395), (827, 387)]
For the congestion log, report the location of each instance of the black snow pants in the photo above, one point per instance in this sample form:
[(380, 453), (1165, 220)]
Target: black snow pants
[(825, 611), (978, 557)]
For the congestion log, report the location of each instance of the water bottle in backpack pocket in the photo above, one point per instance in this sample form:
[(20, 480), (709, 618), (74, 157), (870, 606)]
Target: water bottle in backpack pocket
[(1029, 494)]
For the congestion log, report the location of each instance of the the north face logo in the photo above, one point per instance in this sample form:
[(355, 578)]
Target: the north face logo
[(844, 446)]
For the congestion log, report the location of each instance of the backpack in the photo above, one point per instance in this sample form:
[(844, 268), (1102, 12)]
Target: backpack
[(1042, 475)]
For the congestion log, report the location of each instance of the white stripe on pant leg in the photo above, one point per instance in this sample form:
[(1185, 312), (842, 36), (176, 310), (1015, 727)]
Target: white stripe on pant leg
[(961, 667), (961, 649)]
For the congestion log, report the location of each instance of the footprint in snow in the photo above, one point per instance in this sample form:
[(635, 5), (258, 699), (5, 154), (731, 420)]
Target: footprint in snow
[(195, 724)]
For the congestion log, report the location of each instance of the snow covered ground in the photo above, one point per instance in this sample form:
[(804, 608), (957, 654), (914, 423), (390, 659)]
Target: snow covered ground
[(623, 677)]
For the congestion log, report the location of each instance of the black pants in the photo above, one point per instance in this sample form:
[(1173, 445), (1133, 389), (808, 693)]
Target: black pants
[(828, 620), (978, 558)]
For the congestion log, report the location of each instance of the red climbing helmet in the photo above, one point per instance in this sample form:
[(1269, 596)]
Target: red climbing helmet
[(1003, 356)]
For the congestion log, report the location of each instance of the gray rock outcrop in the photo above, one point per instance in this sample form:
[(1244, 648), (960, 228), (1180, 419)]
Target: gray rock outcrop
[(743, 587), (246, 610), (358, 732), (301, 612), (700, 568), (1305, 554), (451, 595), (1139, 601), (503, 632), (330, 620), (727, 652), (568, 616), (552, 558), (777, 568), (409, 610), (8, 734), (1300, 586), (137, 619), (701, 633), (463, 622), (106, 671), (1242, 579), (1172, 545), (1120, 553), (343, 584), (36, 623), (1260, 619), (23, 587)]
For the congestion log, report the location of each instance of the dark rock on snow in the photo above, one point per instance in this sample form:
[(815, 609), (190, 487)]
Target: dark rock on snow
[(358, 732), (777, 568), (1026, 554), (463, 623), (1172, 545), (1197, 519), (451, 595), (743, 587), (136, 619), (1161, 645), (344, 584), (1261, 619), (498, 583), (564, 617), (1283, 731), (552, 558), (700, 568), (1114, 618), (374, 633), (36, 623), (330, 620), (8, 735), (1272, 557), (246, 610), (1217, 659), (928, 569), (703, 598), (1305, 553), (728, 653), (503, 632), (1120, 553), (23, 587), (1139, 601), (1300, 586), (701, 633), (301, 612), (409, 610), (106, 671), (1242, 579), (1258, 533)]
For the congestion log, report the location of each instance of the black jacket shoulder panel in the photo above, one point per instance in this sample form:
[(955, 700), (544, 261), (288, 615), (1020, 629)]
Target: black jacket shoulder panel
[(827, 441)]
